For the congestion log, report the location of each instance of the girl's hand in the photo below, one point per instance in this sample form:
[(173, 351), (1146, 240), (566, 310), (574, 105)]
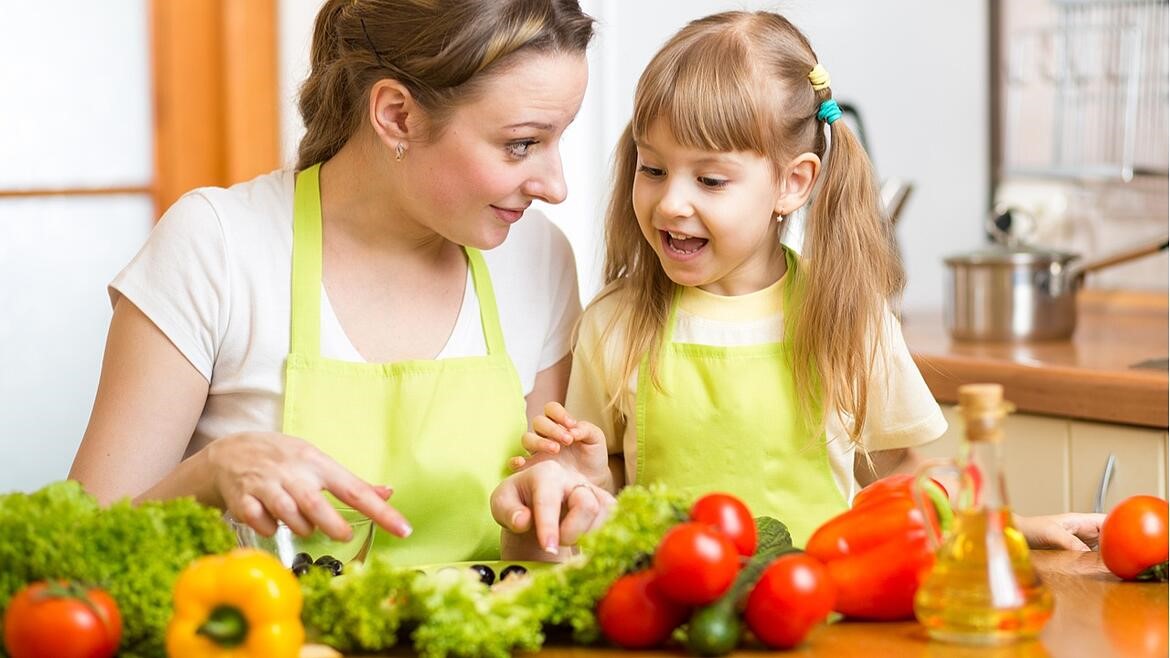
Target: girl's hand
[(265, 477), (1073, 532), (578, 445), (546, 506)]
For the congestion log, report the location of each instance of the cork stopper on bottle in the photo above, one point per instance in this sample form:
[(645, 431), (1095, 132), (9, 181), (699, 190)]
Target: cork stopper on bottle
[(983, 409)]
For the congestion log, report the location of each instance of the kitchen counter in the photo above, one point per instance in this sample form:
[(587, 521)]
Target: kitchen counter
[(1096, 615), (1092, 376)]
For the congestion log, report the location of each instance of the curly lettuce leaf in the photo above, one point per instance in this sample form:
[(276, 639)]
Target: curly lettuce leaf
[(134, 552)]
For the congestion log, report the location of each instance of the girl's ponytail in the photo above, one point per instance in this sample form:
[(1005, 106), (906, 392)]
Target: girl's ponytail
[(850, 271)]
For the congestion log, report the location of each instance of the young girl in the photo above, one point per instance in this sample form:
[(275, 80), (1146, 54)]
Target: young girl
[(716, 358)]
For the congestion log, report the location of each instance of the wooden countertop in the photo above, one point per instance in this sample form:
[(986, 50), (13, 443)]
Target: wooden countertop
[(1096, 615), (1089, 377)]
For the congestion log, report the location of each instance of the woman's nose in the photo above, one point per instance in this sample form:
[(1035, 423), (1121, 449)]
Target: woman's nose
[(548, 184)]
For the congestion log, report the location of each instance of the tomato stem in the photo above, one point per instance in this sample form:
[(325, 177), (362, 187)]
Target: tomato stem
[(1157, 572)]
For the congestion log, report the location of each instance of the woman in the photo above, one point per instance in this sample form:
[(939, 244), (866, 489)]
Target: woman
[(338, 329)]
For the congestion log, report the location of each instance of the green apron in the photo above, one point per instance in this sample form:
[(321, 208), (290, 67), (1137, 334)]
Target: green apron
[(727, 420), (438, 431)]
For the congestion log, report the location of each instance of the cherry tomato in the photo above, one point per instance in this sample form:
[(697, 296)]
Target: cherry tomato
[(695, 563), (794, 594), (633, 614), (61, 620), (1134, 536), (728, 515)]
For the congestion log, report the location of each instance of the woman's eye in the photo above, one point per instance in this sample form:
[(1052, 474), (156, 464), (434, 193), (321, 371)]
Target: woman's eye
[(652, 172), (714, 183), (519, 150)]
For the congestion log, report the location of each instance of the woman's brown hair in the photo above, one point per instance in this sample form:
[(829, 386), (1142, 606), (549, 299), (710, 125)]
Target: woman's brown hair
[(441, 51), (738, 81)]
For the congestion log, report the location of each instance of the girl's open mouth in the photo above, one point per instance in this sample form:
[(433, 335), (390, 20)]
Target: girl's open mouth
[(680, 246)]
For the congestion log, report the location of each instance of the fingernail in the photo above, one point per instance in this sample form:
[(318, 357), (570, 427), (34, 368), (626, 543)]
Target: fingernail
[(406, 529), (516, 518), (551, 549)]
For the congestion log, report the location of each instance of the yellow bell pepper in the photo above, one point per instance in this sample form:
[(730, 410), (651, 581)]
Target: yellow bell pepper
[(240, 605)]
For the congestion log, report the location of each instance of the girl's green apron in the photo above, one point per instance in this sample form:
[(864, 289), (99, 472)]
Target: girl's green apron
[(438, 431), (728, 420)]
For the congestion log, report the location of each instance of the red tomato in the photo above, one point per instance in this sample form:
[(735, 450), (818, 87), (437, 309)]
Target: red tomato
[(695, 563), (633, 614), (728, 515), (1134, 536), (794, 594), (62, 620)]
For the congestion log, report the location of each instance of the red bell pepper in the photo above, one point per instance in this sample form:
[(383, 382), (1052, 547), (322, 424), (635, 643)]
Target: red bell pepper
[(878, 551)]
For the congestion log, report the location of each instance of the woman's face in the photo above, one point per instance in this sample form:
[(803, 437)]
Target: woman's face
[(498, 153)]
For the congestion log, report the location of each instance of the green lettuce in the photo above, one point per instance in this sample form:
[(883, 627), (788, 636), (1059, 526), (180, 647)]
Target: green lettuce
[(134, 552)]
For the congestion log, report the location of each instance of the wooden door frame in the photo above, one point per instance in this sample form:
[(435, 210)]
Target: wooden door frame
[(216, 110)]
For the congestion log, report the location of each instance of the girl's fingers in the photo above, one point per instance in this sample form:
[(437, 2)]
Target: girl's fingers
[(534, 443), (551, 429), (583, 508), (588, 433), (547, 499), (517, 463)]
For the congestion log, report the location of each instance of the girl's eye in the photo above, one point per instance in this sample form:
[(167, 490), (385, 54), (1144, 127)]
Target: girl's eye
[(714, 183), (519, 149), (652, 172)]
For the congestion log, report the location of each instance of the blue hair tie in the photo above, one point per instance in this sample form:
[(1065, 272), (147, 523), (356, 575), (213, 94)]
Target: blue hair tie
[(829, 111)]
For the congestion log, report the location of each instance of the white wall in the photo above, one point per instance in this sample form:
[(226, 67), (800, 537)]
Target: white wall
[(916, 70)]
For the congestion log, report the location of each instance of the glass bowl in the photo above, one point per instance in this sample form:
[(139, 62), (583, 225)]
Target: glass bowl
[(287, 545)]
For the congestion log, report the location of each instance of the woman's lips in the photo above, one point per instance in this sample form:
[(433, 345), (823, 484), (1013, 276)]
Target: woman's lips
[(508, 215)]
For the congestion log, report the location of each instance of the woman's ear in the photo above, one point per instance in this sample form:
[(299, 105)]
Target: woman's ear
[(796, 183), (394, 114)]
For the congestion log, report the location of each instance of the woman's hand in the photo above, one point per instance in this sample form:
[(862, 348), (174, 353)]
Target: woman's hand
[(1072, 532), (263, 477), (546, 506), (578, 445)]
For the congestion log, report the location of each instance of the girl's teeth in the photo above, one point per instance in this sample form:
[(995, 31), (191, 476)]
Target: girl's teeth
[(678, 236)]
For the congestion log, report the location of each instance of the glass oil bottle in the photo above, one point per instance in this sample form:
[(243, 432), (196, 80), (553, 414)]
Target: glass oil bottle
[(982, 588)]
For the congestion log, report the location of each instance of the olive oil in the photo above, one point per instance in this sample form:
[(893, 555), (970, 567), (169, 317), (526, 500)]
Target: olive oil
[(983, 588)]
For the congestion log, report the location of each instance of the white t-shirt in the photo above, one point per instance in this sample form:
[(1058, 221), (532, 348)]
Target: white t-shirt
[(215, 274), (901, 411)]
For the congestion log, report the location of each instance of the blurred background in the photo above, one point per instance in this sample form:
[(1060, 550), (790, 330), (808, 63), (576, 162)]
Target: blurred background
[(110, 110)]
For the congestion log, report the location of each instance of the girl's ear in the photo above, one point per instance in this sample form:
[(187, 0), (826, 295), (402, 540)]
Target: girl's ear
[(796, 183), (394, 114)]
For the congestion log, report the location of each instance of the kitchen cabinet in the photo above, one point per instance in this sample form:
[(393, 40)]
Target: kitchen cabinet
[(1054, 464)]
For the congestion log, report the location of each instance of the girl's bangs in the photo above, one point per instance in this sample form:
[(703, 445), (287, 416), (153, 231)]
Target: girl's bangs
[(705, 91)]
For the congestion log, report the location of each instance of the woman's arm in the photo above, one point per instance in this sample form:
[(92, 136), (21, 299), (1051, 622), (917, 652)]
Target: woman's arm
[(148, 400)]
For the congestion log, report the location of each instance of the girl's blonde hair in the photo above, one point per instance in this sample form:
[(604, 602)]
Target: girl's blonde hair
[(738, 81), (441, 51)]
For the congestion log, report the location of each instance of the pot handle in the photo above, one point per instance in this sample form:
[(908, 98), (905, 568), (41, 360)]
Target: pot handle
[(1078, 271)]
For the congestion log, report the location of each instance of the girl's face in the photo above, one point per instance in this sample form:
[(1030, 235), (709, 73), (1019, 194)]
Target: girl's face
[(710, 216), (498, 153)]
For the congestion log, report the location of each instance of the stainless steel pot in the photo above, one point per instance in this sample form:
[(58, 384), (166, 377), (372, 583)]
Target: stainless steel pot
[(1019, 292)]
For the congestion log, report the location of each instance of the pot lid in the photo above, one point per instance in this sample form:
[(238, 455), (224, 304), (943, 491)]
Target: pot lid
[(1016, 255)]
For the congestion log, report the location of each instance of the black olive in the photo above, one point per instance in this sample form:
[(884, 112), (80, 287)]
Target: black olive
[(486, 575), (302, 558), (642, 562), (324, 559), (512, 570), (300, 569), (335, 567)]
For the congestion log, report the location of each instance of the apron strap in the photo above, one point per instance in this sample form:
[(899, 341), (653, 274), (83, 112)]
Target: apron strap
[(672, 315), (305, 331), (489, 315)]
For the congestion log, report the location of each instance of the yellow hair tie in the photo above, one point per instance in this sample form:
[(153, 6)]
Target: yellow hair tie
[(819, 78)]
